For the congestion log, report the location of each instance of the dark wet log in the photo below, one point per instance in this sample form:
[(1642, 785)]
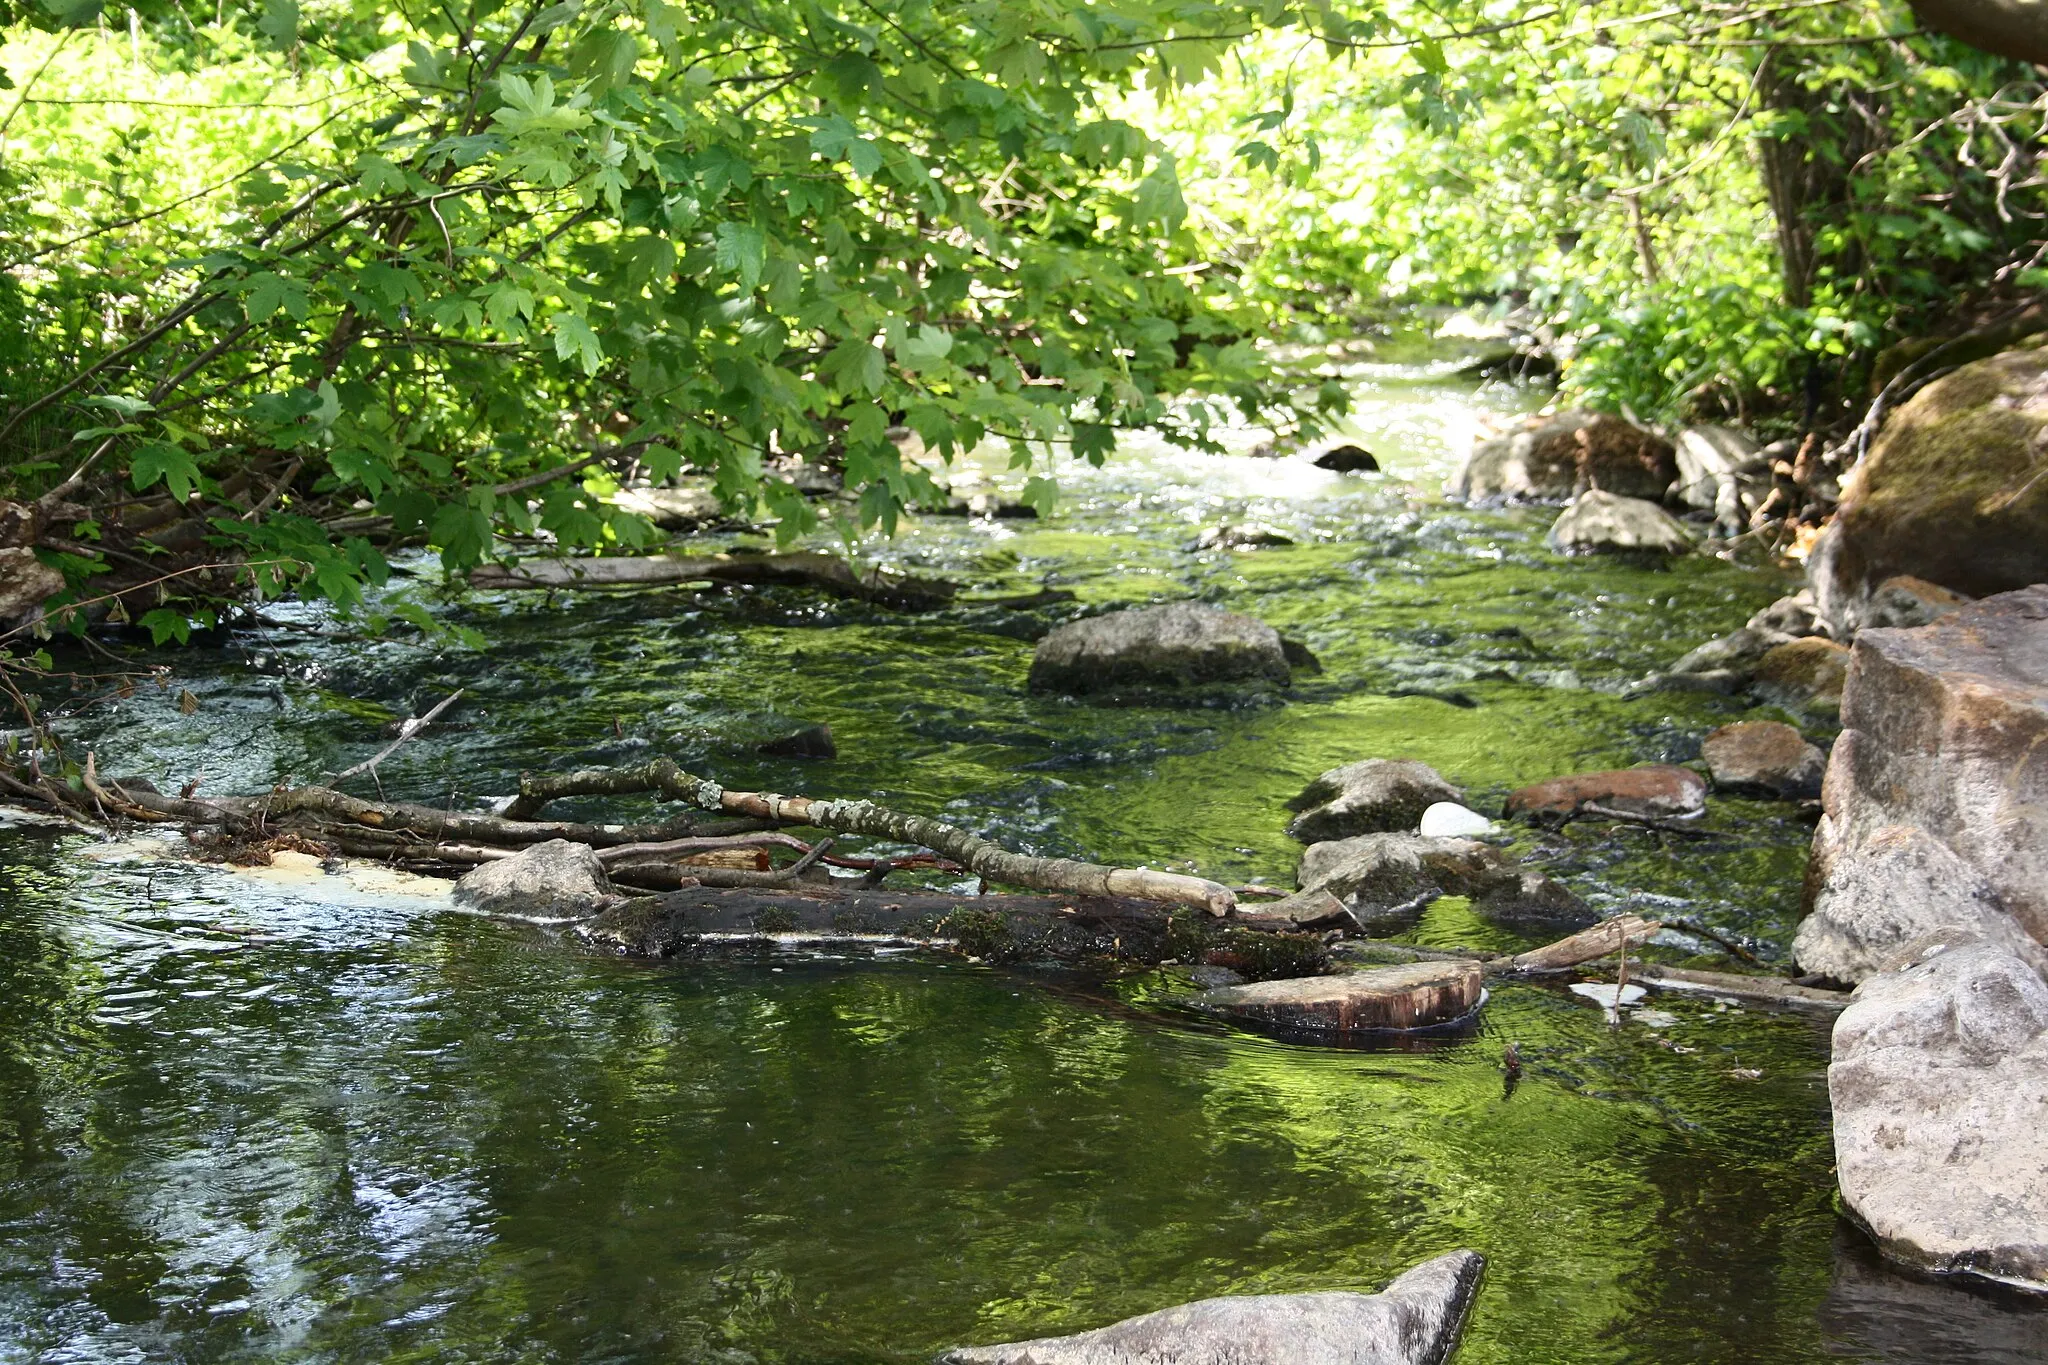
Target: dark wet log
[(827, 573), (996, 927)]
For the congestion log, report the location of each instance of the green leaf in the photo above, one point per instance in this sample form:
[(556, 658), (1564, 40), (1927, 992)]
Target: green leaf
[(165, 625), (160, 461), (279, 22), (742, 247), (575, 340)]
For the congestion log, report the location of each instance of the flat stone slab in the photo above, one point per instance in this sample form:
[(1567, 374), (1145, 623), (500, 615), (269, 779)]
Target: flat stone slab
[(1413, 1321), (1176, 644), (1382, 999)]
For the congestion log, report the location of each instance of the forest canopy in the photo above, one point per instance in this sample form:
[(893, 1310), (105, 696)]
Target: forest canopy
[(292, 284)]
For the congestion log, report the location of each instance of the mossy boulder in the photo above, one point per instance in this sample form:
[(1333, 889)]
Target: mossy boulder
[(1954, 491)]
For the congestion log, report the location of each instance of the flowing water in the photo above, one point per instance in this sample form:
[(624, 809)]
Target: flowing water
[(253, 1118)]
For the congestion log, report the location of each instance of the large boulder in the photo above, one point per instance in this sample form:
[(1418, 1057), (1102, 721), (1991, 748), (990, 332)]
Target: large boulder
[(553, 879), (1413, 1321), (1722, 471), (1179, 643), (1954, 491), (1371, 796), (1555, 456), (1379, 999), (1894, 887), (1599, 522), (1764, 758), (1661, 790), (1386, 877), (1945, 730), (1939, 1085)]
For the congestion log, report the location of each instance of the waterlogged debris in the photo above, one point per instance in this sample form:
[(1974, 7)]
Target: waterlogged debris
[(1608, 995)]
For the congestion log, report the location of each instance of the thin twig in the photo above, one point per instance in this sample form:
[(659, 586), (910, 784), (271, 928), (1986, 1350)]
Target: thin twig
[(406, 731)]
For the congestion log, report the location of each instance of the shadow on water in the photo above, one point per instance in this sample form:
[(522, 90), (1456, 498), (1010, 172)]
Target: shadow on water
[(245, 1122)]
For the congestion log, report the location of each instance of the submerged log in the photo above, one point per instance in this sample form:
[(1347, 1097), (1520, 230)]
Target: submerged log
[(827, 573), (995, 927)]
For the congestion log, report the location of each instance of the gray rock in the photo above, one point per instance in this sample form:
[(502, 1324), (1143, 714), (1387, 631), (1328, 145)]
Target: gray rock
[(1381, 877), (1793, 615), (1372, 796), (25, 583), (552, 879), (1946, 728), (1895, 886), (1903, 603), (1601, 522), (1939, 1085), (1764, 757), (1553, 457), (1722, 471), (1413, 1321), (1739, 651), (1803, 675), (1180, 643)]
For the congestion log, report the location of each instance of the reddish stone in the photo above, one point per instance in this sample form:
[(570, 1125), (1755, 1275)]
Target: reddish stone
[(1659, 789), (1764, 756)]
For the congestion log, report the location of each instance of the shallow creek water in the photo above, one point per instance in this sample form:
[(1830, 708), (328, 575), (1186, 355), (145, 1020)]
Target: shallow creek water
[(247, 1119)]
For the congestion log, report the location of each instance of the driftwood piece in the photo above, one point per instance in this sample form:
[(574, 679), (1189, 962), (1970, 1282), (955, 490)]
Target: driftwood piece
[(1610, 935), (1063, 876), (828, 573)]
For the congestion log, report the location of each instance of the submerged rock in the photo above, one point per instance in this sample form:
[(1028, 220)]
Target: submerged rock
[(1939, 1085), (552, 879), (1411, 996), (1602, 522), (1347, 459), (1953, 491), (1739, 651), (1248, 537), (1390, 876), (1895, 886), (1413, 1321), (1764, 757), (1659, 789), (1374, 795), (1793, 615), (1946, 730), (814, 741), (1804, 675), (1179, 643)]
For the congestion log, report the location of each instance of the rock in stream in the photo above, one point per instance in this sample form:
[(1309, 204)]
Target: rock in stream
[(1413, 1321)]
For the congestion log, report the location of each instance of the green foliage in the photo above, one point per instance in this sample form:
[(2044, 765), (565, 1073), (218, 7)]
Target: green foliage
[(429, 261), (1715, 204)]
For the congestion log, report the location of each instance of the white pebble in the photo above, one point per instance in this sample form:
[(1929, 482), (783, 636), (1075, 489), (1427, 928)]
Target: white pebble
[(1448, 819)]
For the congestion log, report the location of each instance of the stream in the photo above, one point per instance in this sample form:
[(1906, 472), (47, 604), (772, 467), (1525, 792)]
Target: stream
[(252, 1117)]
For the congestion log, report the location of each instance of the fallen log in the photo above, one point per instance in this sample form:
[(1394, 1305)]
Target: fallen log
[(1608, 936), (827, 573), (997, 927), (986, 859)]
